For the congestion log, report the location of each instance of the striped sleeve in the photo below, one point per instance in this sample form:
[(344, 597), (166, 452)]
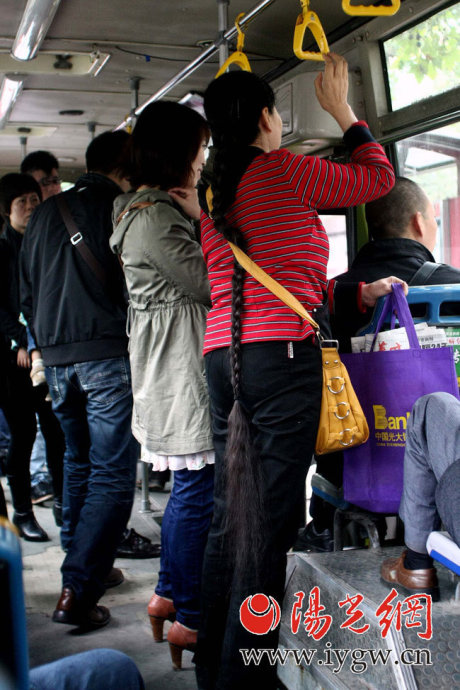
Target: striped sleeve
[(319, 183)]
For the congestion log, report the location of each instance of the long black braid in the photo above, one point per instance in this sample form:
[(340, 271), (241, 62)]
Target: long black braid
[(233, 105)]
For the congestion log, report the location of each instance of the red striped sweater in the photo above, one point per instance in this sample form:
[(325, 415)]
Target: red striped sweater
[(275, 208)]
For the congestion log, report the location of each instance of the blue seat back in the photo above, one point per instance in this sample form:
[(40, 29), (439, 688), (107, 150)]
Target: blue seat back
[(432, 296)]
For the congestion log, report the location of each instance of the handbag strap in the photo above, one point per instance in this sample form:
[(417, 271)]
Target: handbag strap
[(134, 207), (271, 284), (266, 280), (78, 242), (397, 301)]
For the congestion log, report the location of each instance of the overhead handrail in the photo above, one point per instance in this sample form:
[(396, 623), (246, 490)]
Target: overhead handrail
[(309, 20), (200, 60), (371, 10), (238, 57)]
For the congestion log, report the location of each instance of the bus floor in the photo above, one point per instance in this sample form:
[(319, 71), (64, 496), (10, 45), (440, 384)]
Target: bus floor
[(129, 629)]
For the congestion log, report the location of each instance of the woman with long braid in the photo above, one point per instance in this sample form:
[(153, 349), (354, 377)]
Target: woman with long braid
[(263, 362)]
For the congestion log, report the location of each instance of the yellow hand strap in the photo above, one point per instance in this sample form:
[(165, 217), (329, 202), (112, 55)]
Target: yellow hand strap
[(237, 58), (309, 20), (371, 10)]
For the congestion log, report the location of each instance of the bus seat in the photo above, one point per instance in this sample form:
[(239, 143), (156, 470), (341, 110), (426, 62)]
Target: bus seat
[(443, 549), (432, 296), (328, 492), (14, 656)]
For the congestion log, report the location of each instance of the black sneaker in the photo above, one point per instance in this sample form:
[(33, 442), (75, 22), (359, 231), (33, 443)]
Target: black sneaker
[(134, 545), (41, 491), (309, 539)]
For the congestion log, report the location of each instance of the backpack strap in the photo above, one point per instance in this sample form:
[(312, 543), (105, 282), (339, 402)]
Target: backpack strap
[(424, 273)]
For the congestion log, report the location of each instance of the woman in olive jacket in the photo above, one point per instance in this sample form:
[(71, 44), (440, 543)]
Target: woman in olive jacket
[(169, 298)]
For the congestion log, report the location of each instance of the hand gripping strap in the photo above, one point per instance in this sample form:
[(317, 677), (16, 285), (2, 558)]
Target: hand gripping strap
[(397, 301)]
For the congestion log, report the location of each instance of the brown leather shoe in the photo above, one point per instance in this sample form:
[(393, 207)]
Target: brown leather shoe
[(114, 578), (414, 581), (69, 611)]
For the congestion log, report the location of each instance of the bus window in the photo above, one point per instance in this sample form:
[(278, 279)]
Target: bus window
[(336, 228), (423, 60), (432, 160)]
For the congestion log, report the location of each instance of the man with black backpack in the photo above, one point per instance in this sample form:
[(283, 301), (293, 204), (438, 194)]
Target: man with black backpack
[(402, 229)]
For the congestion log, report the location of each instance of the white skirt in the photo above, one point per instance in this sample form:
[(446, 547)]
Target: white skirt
[(192, 461)]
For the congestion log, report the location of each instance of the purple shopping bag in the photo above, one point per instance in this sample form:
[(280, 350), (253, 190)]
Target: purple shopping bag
[(387, 385)]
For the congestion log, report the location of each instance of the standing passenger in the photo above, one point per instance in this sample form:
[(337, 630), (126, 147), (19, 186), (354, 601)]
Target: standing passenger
[(44, 168), (169, 299), (263, 362), (77, 311), (19, 196)]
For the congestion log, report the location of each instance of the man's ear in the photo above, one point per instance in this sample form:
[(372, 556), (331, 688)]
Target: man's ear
[(417, 225)]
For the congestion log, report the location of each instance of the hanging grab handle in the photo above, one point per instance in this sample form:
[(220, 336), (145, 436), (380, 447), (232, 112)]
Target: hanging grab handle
[(309, 20), (238, 57), (371, 10)]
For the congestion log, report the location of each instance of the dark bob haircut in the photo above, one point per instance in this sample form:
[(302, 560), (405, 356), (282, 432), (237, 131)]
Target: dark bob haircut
[(14, 185), (165, 142), (104, 154)]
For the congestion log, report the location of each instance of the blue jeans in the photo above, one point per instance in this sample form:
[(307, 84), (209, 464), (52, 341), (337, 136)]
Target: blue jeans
[(432, 447), (281, 393), (93, 403), (184, 530), (97, 669)]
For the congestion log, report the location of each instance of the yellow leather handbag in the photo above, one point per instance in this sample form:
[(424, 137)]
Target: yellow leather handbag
[(342, 423)]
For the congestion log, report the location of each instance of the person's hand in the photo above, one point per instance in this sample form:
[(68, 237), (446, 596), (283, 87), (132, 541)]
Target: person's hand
[(23, 359), (187, 198), (372, 291), (331, 88)]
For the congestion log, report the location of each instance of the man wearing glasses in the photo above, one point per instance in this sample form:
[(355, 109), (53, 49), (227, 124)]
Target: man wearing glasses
[(43, 166)]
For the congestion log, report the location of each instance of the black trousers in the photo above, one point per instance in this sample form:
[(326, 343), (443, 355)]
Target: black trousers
[(282, 397), (20, 401)]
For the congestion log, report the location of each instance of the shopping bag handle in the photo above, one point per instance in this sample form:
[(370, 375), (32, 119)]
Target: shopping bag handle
[(396, 301)]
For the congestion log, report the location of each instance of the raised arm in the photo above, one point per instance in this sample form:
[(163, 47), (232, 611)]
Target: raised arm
[(331, 88)]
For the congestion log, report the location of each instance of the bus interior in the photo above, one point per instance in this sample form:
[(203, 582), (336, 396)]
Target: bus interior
[(71, 70)]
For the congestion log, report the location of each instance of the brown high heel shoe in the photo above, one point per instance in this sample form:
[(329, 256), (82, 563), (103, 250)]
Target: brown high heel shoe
[(180, 638), (159, 610)]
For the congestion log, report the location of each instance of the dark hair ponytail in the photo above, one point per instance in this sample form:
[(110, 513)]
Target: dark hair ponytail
[(233, 104)]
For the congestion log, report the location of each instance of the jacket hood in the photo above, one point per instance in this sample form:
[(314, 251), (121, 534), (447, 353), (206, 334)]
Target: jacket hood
[(122, 204)]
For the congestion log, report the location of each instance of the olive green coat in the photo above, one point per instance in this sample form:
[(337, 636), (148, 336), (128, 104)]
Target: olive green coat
[(169, 299)]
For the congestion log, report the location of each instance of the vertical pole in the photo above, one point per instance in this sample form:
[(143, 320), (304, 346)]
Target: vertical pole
[(145, 500), (134, 86), (222, 16), (91, 129), (23, 142)]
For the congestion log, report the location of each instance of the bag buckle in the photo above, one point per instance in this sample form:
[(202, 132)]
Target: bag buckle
[(75, 239), (326, 343)]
